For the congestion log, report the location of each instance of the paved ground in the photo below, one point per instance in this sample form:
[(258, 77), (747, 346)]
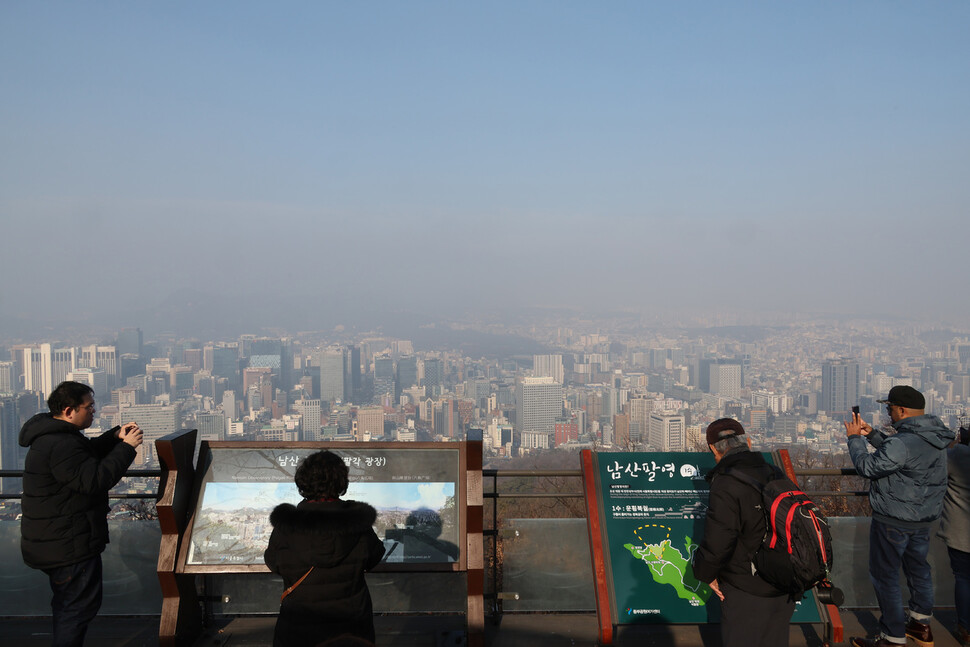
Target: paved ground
[(574, 630)]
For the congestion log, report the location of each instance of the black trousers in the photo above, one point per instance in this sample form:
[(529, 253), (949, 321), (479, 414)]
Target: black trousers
[(76, 600), (751, 621)]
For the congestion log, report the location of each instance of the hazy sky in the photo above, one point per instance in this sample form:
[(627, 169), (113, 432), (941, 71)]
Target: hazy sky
[(789, 156)]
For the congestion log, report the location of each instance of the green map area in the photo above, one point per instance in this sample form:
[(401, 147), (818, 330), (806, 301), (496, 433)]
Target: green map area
[(671, 567)]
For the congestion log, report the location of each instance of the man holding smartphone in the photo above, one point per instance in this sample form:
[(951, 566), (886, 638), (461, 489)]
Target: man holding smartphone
[(67, 477), (908, 480)]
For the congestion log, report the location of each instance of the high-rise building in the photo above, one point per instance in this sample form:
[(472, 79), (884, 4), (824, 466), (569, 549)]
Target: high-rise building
[(840, 386), (130, 342), (332, 381), (8, 378), (10, 454), (370, 420), (155, 420), (45, 367), (211, 425), (666, 432), (353, 371), (548, 366), (384, 377), (407, 375), (726, 378), (96, 378), (538, 404), (434, 377), (309, 408)]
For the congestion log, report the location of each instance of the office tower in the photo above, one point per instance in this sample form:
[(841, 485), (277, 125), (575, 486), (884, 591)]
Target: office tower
[(666, 432), (8, 378), (45, 367), (9, 447), (229, 406), (211, 425), (538, 404), (639, 409), (332, 375), (434, 377), (309, 408), (384, 377), (129, 342), (155, 420), (840, 386), (96, 378), (353, 371), (407, 376), (181, 382), (620, 432), (223, 361), (104, 357), (370, 420), (725, 378), (548, 366)]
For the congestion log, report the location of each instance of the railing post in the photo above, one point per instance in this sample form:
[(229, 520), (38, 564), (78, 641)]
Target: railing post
[(181, 621)]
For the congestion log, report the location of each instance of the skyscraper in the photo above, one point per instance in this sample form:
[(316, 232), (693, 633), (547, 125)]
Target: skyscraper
[(407, 375), (384, 377), (666, 432), (538, 404), (840, 386), (45, 367), (725, 378), (548, 366), (332, 375), (434, 375)]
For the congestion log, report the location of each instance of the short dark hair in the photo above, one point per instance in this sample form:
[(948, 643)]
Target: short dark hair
[(323, 475), (68, 394)]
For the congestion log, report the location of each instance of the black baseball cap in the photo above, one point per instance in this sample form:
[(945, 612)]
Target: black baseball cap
[(723, 428), (905, 396)]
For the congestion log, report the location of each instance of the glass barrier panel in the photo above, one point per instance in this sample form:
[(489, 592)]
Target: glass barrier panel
[(547, 563), (130, 572), (259, 593)]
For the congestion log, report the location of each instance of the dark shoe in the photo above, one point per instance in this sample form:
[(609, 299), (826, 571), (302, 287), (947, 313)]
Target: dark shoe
[(878, 641), (963, 637), (920, 632)]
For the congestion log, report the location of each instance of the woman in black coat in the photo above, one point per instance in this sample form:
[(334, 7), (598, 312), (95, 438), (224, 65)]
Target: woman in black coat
[(328, 543)]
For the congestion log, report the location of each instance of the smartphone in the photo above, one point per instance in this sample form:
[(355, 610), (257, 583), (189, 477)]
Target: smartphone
[(855, 410)]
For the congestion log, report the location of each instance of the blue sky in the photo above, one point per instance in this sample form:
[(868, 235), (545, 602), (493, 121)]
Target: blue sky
[(766, 156)]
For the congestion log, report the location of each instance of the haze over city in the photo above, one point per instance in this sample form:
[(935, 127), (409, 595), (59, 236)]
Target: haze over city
[(301, 165)]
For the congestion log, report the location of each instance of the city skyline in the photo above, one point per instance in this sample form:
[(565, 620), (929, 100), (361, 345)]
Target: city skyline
[(305, 165)]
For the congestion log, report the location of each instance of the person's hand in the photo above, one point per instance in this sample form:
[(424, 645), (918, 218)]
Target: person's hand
[(857, 426), (717, 589), (130, 433)]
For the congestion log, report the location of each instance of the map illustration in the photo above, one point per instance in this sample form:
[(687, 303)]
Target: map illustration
[(414, 494), (668, 565)]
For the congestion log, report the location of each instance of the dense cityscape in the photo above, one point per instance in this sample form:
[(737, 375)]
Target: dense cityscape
[(547, 384)]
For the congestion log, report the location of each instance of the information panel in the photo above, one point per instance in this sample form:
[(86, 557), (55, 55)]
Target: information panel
[(414, 490), (651, 510)]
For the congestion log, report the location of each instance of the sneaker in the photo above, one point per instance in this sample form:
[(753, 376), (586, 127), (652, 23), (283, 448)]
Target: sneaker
[(920, 632), (878, 641)]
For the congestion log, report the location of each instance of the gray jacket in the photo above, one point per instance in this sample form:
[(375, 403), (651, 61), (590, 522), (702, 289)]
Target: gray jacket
[(907, 471), (955, 523)]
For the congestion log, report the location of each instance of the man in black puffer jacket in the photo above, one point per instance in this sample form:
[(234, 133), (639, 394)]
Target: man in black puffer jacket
[(753, 612), (67, 477)]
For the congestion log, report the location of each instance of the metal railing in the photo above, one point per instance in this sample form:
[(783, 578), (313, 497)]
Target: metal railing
[(146, 474)]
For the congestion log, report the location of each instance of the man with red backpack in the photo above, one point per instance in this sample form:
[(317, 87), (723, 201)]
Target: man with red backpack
[(753, 612)]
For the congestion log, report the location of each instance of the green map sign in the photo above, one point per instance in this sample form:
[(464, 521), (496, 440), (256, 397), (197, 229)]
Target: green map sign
[(652, 508)]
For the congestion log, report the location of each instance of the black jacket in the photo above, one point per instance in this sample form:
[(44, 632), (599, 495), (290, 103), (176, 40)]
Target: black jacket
[(66, 481), (735, 525), (337, 539)]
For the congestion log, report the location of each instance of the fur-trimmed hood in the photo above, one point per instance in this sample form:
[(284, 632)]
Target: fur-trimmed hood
[(326, 516), (325, 532)]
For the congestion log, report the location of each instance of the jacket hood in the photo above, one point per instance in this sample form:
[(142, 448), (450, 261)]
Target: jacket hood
[(41, 425), (737, 457), (339, 525), (929, 428)]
